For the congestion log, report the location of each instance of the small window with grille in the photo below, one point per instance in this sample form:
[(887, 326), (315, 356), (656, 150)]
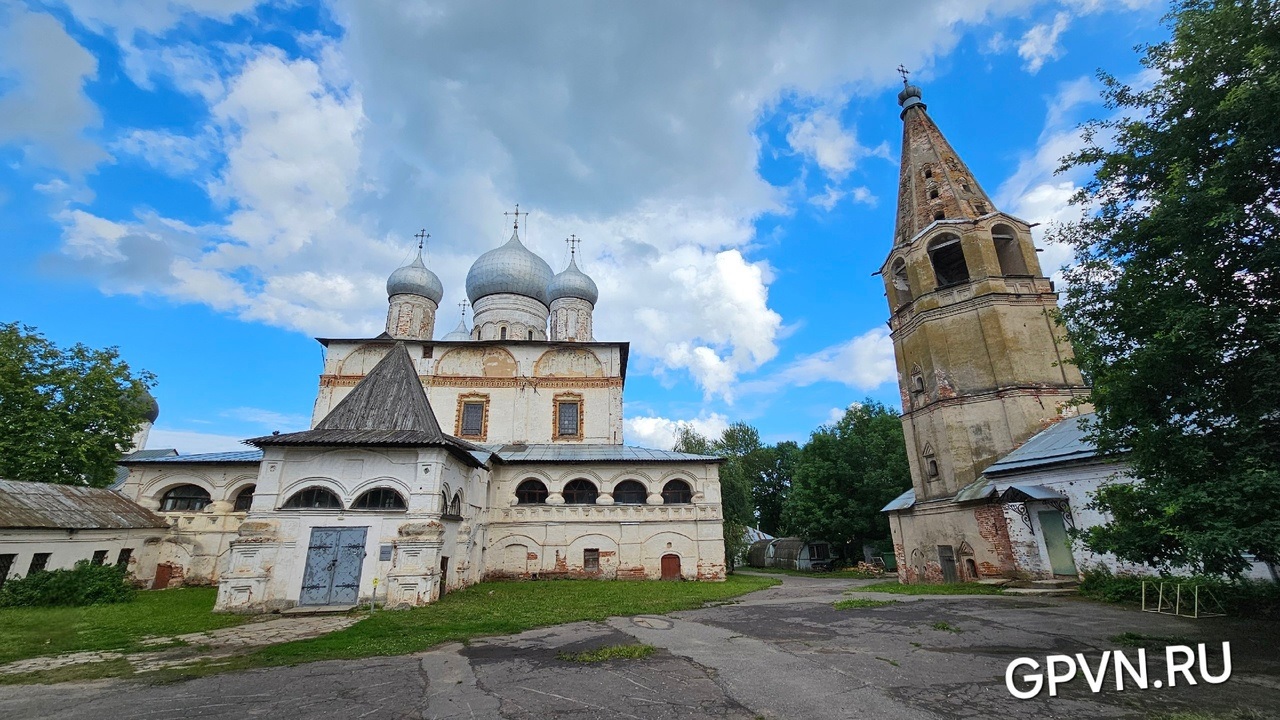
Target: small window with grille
[(591, 559), (99, 557), (568, 417), (472, 412)]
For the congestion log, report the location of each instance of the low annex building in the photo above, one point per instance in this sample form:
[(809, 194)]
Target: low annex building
[(44, 526), (495, 451)]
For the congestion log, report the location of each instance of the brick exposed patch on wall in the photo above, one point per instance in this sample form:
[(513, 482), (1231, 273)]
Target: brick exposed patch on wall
[(993, 529)]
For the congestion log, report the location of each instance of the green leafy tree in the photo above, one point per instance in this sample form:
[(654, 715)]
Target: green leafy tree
[(1174, 301), (740, 447), (66, 415), (769, 492), (845, 473)]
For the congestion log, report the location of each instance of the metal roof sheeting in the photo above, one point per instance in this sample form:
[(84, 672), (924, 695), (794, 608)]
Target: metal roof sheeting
[(566, 453), (1025, 492), (1063, 442), (70, 507), (236, 456), (902, 502)]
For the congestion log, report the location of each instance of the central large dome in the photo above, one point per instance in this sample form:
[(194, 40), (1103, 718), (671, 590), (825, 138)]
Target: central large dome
[(512, 268)]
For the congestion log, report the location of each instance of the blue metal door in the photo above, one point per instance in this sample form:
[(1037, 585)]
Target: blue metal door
[(334, 560)]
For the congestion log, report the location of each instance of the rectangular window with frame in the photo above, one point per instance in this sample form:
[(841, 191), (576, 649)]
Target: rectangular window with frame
[(39, 563), (99, 557), (122, 560), (568, 417), (473, 416), (591, 559)]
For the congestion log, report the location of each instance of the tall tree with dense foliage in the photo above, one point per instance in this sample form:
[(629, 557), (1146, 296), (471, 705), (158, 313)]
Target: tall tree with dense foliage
[(845, 473), (769, 492), (66, 415), (1174, 303), (742, 451)]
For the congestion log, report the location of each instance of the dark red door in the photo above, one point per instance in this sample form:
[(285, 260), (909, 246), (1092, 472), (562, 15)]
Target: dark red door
[(670, 567)]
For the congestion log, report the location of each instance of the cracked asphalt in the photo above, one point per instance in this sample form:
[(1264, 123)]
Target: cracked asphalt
[(778, 653)]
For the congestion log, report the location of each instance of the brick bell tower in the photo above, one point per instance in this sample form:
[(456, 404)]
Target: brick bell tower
[(982, 366)]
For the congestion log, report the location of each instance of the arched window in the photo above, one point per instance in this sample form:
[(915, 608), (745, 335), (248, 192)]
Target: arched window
[(530, 334), (933, 194), (380, 499), (930, 462), (244, 499), (940, 215), (531, 492), (1008, 252), (580, 492), (676, 492), (502, 332), (455, 505), (185, 498), (948, 261), (313, 498), (928, 173), (900, 284), (630, 492)]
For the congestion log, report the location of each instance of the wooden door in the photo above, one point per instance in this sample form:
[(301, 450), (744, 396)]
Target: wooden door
[(1057, 543), (444, 576), (947, 559), (671, 567)]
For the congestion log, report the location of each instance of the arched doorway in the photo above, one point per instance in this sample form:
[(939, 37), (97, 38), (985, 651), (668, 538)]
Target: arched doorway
[(670, 567)]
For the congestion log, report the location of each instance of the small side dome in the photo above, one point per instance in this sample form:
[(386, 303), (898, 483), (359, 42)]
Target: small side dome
[(459, 334), (513, 269), (909, 97), (153, 408), (415, 279), (573, 283)]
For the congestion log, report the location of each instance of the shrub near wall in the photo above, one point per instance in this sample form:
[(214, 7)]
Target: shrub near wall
[(85, 584), (1244, 598)]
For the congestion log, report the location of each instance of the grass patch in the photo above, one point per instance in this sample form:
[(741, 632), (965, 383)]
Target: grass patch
[(945, 627), (34, 632), (891, 662), (491, 608), (948, 589), (854, 603), (1138, 640), (1243, 598), (612, 652)]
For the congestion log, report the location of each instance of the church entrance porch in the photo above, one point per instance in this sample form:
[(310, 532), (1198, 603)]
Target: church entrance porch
[(334, 559)]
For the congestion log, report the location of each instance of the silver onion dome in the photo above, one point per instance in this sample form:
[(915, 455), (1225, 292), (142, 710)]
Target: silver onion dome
[(512, 268), (573, 283), (153, 408), (459, 334), (415, 279), (909, 97)]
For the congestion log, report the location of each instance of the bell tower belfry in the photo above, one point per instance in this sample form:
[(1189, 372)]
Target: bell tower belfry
[(982, 365)]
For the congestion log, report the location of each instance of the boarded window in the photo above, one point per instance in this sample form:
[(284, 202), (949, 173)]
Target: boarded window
[(630, 492), (531, 492), (580, 492), (185, 498), (380, 499), (313, 498), (244, 499), (567, 413), (591, 559), (39, 563), (99, 557), (472, 419)]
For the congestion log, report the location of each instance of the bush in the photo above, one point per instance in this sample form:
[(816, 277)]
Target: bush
[(85, 584), (1245, 598)]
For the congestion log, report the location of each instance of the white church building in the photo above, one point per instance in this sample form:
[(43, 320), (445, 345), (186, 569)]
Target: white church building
[(494, 452)]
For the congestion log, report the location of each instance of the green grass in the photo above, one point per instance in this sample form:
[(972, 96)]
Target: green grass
[(491, 608), (787, 571), (612, 652), (945, 627), (948, 589), (853, 603), (1138, 640), (33, 632)]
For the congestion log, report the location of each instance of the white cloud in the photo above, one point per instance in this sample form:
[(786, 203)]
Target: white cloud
[(659, 432), (1040, 43), (45, 110), (831, 196), (863, 362), (190, 442), (443, 116), (285, 422), (170, 153)]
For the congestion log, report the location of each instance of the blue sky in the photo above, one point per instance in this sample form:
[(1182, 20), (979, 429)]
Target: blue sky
[(209, 184)]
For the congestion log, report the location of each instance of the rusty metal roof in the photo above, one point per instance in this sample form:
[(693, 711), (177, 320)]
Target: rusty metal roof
[(70, 507)]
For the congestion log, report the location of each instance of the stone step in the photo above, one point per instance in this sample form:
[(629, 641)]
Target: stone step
[(1040, 591), (1056, 583), (318, 610)]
